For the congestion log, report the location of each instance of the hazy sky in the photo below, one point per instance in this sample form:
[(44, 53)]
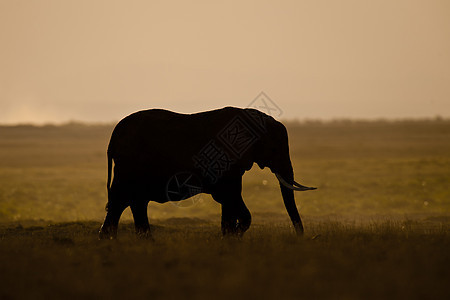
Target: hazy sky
[(101, 60)]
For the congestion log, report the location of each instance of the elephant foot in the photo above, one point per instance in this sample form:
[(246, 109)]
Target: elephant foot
[(229, 232), (232, 233), (235, 230), (232, 238), (299, 229), (143, 232), (145, 235), (107, 233)]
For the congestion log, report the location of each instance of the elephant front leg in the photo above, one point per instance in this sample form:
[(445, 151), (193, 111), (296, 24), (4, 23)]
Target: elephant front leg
[(236, 218), (244, 219), (229, 220)]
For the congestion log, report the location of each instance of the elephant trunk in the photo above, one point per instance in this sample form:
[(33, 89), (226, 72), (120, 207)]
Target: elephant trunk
[(289, 201)]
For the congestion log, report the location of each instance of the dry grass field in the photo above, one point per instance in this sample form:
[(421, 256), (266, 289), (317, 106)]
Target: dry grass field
[(378, 226)]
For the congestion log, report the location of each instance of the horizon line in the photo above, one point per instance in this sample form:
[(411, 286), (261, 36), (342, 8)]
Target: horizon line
[(73, 122)]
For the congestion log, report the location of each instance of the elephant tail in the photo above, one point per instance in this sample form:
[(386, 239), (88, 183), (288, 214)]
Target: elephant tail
[(108, 183)]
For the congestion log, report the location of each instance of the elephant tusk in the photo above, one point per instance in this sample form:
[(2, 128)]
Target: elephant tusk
[(303, 187), (298, 186)]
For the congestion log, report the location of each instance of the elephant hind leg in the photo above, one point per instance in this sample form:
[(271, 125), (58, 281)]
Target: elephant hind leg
[(114, 209), (111, 223), (141, 225)]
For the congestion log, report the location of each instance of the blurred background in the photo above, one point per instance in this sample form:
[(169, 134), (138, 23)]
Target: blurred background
[(363, 87), (98, 61)]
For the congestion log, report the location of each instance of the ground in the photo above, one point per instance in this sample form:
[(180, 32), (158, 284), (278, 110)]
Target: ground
[(377, 227)]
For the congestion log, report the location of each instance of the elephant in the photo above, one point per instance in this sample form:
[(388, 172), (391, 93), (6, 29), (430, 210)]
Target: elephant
[(162, 156)]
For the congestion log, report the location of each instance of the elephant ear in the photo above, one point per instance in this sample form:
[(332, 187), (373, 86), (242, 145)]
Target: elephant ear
[(265, 147), (272, 149)]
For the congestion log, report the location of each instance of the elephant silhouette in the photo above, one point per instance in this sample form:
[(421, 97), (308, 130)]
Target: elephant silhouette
[(162, 156)]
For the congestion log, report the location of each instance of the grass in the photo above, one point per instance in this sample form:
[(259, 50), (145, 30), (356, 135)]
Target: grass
[(377, 260), (377, 227)]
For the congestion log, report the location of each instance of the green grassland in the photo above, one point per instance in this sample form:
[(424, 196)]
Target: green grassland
[(377, 227)]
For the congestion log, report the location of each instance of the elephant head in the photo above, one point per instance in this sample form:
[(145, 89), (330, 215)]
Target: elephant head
[(272, 151)]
